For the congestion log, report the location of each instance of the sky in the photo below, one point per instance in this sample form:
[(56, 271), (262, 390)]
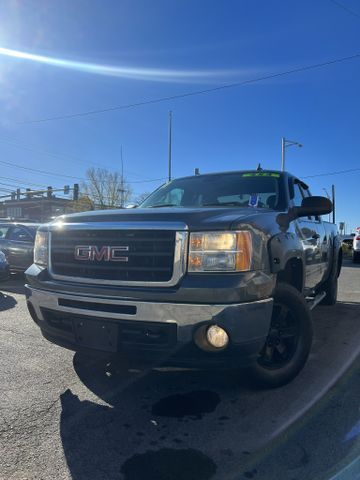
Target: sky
[(62, 58)]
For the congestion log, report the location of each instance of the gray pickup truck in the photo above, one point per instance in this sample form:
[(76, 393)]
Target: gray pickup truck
[(216, 270)]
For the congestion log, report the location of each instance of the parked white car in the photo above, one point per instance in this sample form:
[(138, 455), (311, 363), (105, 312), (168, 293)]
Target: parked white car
[(356, 247)]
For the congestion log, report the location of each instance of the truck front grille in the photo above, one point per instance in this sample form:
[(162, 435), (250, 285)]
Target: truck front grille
[(147, 255)]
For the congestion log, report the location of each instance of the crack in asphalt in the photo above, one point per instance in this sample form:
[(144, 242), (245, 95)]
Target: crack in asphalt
[(15, 332), (26, 422)]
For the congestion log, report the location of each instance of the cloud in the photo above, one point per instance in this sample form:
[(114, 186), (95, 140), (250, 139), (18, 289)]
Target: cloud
[(128, 72)]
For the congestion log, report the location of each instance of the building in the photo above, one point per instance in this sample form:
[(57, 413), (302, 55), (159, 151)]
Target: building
[(39, 209)]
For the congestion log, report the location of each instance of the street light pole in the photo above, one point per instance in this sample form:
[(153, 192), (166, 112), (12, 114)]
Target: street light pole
[(286, 143), (283, 154)]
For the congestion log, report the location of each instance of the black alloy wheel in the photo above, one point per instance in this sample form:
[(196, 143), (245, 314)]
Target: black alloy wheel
[(282, 339), (288, 343)]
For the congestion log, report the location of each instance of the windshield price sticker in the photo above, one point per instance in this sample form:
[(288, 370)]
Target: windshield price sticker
[(253, 200), (262, 174)]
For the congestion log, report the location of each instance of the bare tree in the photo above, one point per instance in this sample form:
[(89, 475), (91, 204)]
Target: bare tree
[(141, 197), (106, 189), (84, 204)]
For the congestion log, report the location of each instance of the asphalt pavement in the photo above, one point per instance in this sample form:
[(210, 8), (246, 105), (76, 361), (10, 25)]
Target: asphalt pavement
[(63, 416)]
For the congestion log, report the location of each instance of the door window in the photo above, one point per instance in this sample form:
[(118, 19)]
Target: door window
[(20, 235), (298, 195), (3, 231)]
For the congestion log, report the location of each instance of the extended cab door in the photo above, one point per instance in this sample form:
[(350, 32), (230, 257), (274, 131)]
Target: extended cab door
[(324, 240), (20, 246), (312, 235)]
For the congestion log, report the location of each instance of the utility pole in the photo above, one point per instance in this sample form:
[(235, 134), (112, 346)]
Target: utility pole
[(284, 144), (333, 201), (328, 196), (170, 145)]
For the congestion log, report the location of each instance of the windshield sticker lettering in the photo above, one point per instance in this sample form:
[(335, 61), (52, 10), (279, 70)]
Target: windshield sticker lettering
[(253, 200), (262, 174)]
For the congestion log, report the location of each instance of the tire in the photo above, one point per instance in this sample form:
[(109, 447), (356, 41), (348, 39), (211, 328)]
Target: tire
[(356, 257), (331, 291), (289, 341), (330, 286)]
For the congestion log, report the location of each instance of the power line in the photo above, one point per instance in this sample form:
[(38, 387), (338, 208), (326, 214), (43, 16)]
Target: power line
[(149, 181), (26, 182), (41, 172), (53, 174), (9, 185), (14, 142), (344, 7), (339, 172), (194, 93)]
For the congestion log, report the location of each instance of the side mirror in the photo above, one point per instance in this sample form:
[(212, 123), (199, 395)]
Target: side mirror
[(312, 206)]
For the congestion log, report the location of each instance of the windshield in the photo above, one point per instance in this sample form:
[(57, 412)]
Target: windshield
[(235, 189)]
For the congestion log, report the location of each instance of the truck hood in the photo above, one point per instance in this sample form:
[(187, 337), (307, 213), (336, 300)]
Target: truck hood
[(216, 218)]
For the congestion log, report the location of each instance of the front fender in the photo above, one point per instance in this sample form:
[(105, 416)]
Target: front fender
[(282, 248)]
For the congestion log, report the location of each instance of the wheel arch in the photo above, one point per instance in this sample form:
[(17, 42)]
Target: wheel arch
[(287, 260), (292, 274)]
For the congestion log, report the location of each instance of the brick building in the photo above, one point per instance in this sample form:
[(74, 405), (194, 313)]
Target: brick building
[(38, 209)]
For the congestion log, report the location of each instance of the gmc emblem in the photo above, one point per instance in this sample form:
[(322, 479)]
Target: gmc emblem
[(92, 253)]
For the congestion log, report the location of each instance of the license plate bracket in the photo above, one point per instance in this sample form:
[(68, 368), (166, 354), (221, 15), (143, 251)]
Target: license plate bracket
[(94, 334)]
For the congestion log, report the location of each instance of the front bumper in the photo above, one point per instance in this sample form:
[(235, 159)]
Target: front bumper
[(145, 331)]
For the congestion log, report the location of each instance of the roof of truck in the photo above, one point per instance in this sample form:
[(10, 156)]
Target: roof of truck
[(229, 172)]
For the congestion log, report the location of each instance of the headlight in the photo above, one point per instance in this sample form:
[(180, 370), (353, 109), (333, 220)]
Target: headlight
[(41, 248), (220, 251)]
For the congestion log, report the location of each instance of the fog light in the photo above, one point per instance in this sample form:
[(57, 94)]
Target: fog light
[(217, 337)]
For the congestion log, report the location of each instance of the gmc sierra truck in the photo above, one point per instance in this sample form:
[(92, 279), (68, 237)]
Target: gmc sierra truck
[(216, 270)]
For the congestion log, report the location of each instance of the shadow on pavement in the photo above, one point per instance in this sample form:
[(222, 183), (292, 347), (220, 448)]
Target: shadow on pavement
[(348, 262), (6, 302), (14, 284), (351, 264), (185, 424), (100, 441)]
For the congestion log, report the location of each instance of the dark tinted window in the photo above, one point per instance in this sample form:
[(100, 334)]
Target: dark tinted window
[(19, 234), (32, 229), (262, 190)]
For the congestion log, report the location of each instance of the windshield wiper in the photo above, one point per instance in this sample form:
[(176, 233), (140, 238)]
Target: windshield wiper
[(236, 204), (163, 205)]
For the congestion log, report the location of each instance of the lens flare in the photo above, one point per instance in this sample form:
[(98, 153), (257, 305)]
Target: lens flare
[(126, 72)]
